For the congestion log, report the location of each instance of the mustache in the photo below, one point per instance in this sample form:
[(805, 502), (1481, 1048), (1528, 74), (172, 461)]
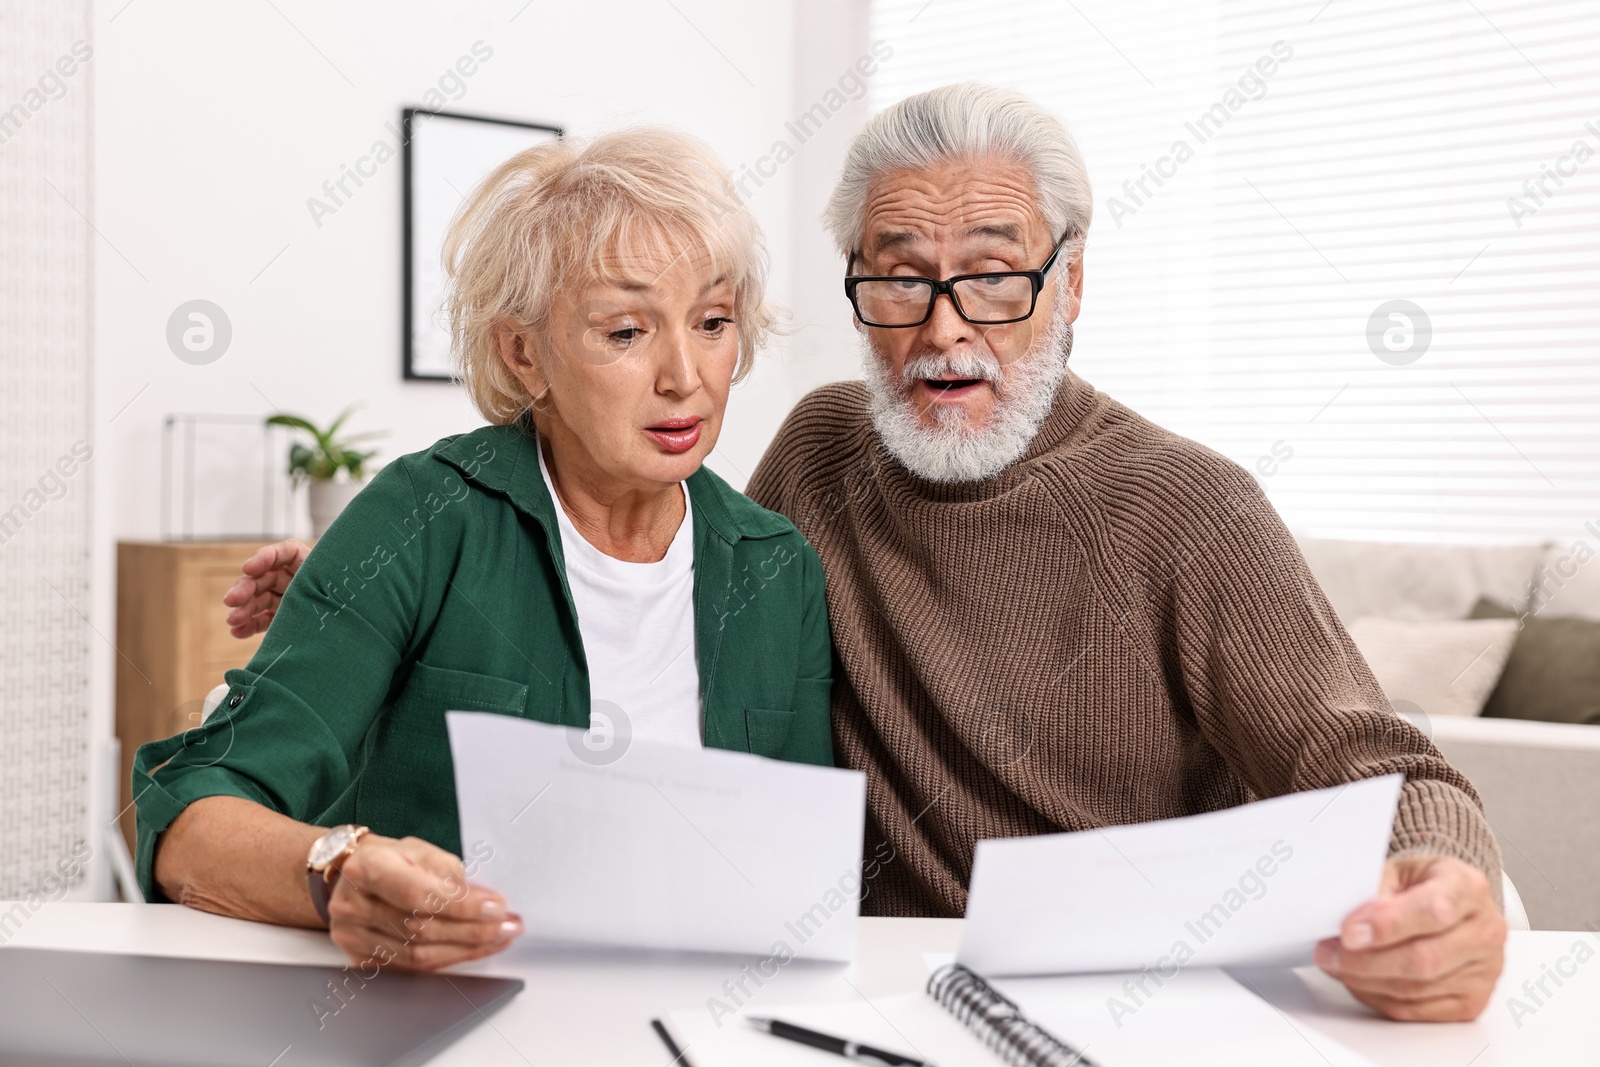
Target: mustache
[(953, 365)]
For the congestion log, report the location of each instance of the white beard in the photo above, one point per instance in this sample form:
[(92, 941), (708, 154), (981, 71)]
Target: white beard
[(952, 451)]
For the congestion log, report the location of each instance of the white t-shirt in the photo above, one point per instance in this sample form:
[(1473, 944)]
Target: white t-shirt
[(637, 625)]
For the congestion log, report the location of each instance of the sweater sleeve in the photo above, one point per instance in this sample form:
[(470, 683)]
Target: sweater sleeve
[(1279, 689), (289, 733)]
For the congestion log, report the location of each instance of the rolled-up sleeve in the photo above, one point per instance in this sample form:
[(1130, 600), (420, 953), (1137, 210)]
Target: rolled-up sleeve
[(289, 733)]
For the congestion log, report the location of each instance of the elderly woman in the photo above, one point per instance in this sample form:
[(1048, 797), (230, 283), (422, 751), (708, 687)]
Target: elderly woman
[(572, 560)]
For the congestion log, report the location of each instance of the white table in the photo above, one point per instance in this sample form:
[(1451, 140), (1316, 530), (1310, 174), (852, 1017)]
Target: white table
[(594, 1008)]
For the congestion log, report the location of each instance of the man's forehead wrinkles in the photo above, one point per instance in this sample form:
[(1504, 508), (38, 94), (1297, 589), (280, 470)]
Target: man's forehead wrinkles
[(954, 185), (913, 211), (965, 208), (902, 231)]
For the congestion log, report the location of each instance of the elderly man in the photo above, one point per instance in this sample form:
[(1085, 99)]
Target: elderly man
[(1050, 613)]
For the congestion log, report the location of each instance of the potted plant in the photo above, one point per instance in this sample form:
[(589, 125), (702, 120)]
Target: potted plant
[(321, 461)]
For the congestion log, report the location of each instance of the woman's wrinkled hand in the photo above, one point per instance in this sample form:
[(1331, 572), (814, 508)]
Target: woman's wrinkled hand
[(407, 903)]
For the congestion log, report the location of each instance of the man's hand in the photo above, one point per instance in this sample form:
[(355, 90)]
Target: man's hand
[(254, 597), (407, 903), (1429, 947)]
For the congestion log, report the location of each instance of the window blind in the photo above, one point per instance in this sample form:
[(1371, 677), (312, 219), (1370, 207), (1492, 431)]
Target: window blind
[(1351, 244)]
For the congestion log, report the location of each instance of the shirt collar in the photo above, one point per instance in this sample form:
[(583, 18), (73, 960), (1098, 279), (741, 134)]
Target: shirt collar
[(505, 460)]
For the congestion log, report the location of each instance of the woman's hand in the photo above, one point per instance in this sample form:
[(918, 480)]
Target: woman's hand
[(407, 903), (254, 597), (402, 902)]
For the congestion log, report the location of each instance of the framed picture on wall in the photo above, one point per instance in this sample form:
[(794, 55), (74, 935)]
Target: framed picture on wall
[(445, 155)]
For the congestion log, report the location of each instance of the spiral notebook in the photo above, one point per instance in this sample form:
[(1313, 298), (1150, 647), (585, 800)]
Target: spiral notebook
[(1202, 1018), (999, 1022)]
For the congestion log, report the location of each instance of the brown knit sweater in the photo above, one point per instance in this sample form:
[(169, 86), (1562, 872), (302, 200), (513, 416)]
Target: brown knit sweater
[(1115, 629)]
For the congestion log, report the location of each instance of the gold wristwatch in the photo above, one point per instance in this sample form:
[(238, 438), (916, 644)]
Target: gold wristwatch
[(327, 855)]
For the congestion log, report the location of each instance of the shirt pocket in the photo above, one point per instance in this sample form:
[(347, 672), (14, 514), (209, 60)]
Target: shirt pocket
[(437, 690), (768, 729), (408, 785)]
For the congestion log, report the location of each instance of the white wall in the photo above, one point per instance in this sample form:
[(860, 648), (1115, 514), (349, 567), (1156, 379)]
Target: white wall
[(832, 51), (216, 122)]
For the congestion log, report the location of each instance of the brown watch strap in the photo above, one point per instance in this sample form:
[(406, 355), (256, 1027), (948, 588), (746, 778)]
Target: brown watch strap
[(320, 890), (320, 881)]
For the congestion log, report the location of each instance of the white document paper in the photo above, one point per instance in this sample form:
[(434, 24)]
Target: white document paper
[(666, 847), (1259, 884)]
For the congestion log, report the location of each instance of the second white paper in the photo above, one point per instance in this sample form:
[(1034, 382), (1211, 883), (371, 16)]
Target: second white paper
[(666, 847), (1259, 884)]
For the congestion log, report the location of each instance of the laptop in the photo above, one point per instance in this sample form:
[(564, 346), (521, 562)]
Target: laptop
[(88, 1009)]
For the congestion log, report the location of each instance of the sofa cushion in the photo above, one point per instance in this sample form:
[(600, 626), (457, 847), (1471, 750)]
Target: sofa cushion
[(1440, 668), (1567, 581), (1553, 673), (1419, 581)]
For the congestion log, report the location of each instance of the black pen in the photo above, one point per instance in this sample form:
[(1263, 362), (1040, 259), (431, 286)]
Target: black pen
[(852, 1050), (680, 1057)]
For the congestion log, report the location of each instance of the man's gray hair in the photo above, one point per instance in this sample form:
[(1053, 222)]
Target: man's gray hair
[(963, 122)]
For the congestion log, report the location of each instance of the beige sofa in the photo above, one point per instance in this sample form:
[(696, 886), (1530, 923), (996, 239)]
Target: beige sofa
[(1540, 782)]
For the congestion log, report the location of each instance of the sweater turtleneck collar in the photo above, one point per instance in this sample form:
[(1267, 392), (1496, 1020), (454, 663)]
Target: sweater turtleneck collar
[(1074, 401)]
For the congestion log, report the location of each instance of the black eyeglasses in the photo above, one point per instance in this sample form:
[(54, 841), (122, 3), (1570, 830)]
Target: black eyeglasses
[(895, 301)]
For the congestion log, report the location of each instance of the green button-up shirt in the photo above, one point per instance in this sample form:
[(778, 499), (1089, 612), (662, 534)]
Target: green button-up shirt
[(442, 587)]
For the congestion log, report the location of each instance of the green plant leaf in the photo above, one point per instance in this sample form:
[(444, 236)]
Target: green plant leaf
[(326, 454), (300, 460), (294, 422), (333, 428), (356, 463)]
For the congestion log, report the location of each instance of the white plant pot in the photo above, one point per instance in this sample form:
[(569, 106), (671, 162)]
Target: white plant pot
[(328, 498)]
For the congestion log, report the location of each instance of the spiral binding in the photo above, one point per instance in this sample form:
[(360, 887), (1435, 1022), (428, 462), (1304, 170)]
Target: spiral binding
[(998, 1022)]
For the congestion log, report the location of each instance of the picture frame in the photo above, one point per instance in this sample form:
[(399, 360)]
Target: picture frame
[(445, 154)]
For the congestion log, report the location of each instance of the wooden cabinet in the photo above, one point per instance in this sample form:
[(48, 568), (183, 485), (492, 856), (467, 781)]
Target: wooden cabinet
[(172, 643)]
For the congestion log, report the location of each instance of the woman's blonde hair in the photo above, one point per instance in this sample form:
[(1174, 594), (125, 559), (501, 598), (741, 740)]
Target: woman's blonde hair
[(544, 219)]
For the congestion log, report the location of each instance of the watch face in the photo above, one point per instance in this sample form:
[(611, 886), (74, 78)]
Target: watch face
[(330, 845)]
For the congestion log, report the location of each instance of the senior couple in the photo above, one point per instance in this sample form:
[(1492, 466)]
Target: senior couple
[(1047, 613)]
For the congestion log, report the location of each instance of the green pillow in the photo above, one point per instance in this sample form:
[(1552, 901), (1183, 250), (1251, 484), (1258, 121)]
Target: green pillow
[(1553, 674)]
